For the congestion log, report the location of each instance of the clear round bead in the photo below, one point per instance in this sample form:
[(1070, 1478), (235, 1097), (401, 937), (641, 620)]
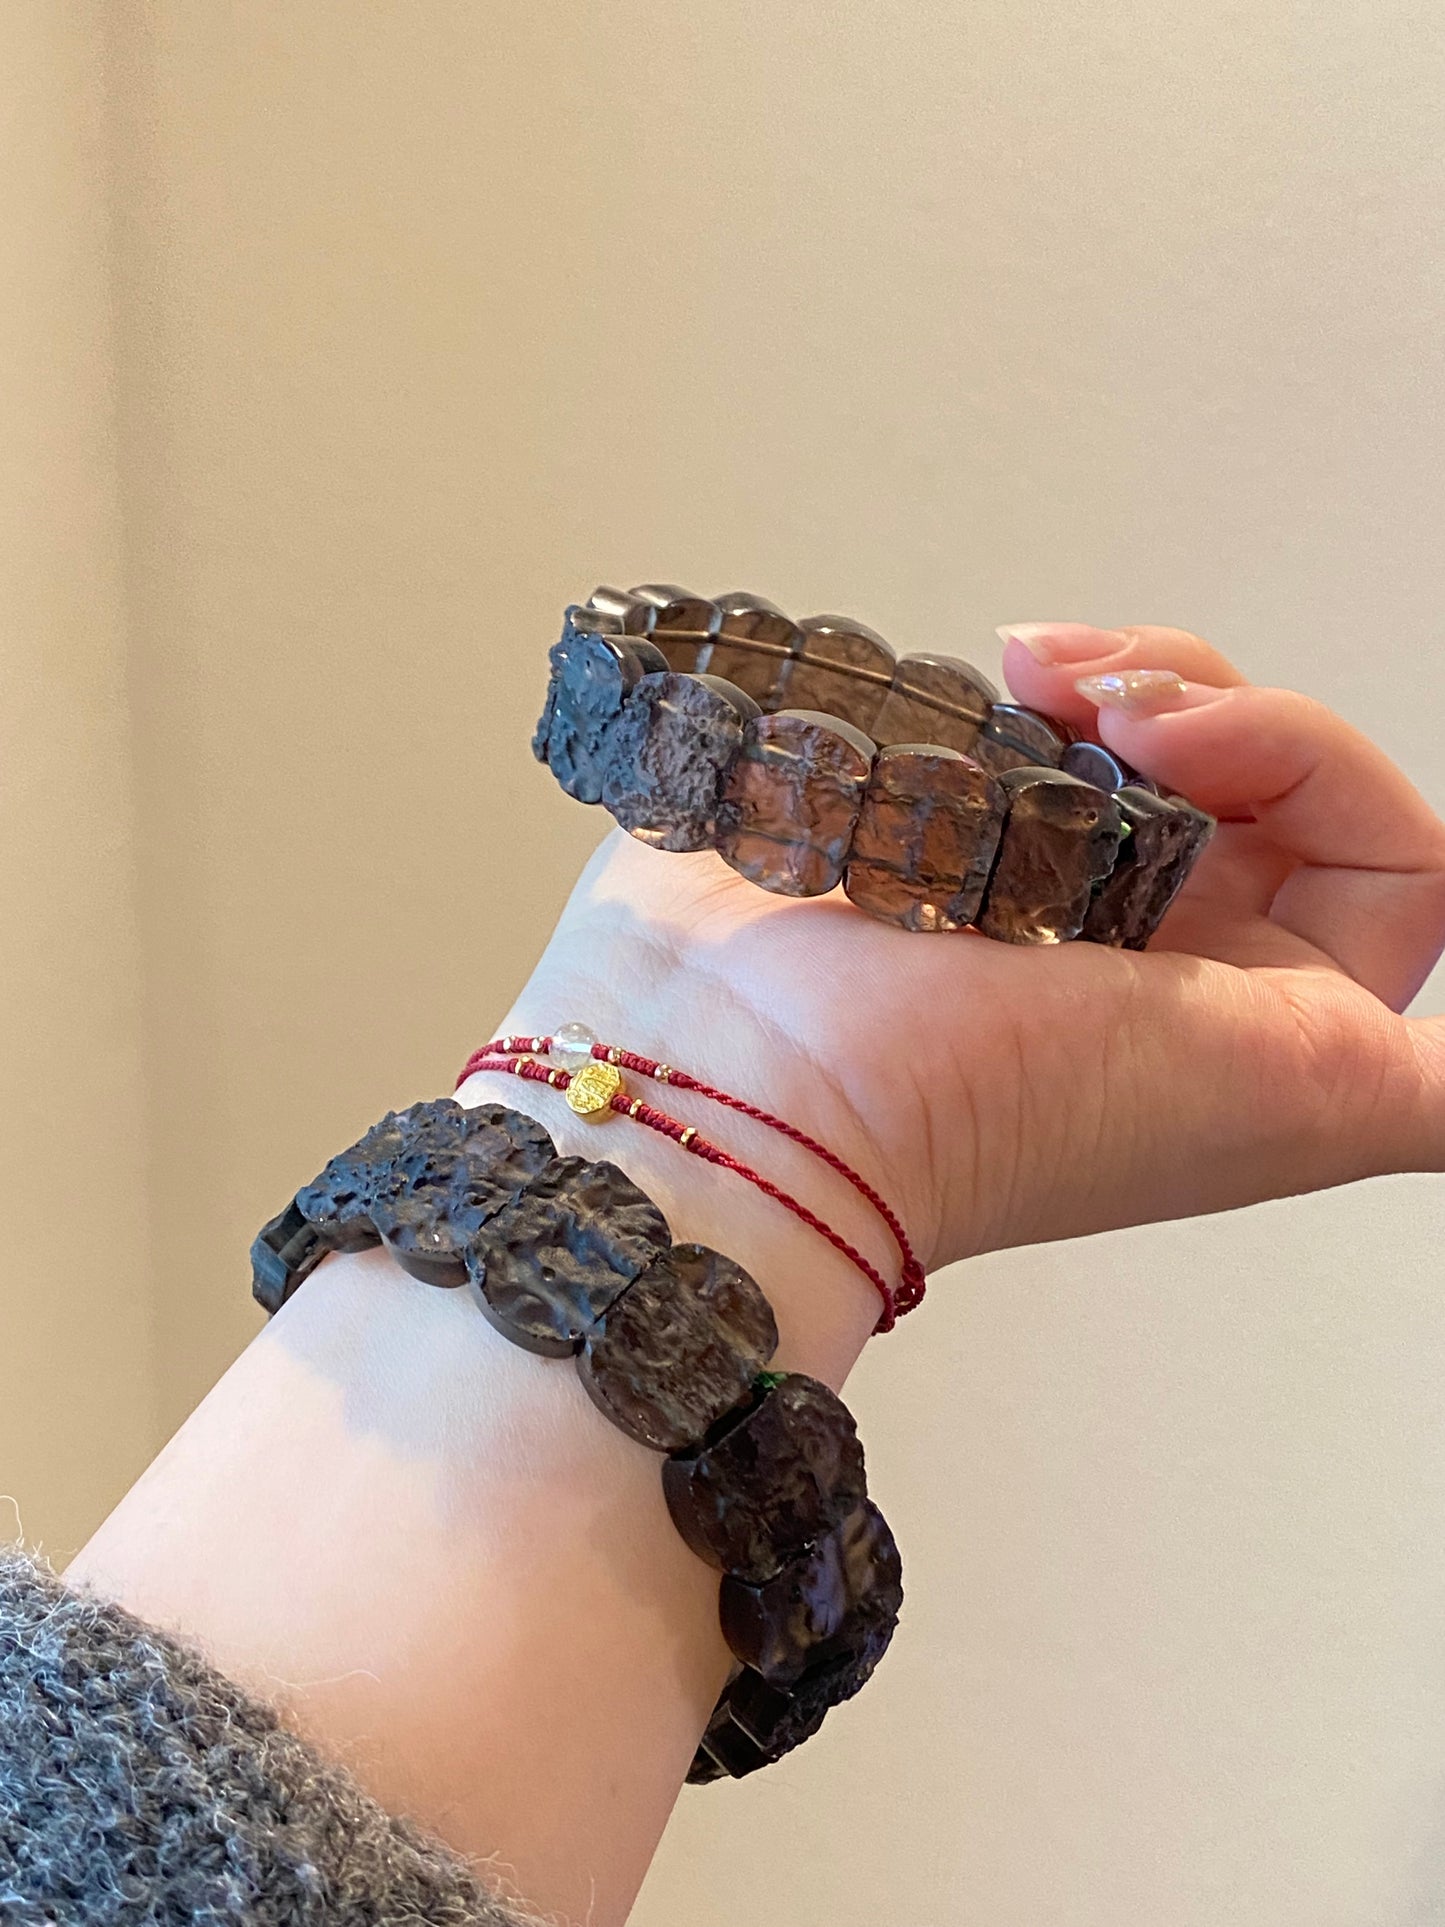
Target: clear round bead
[(572, 1045)]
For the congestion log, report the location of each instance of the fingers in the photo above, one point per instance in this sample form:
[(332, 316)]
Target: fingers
[(1364, 878), (1043, 660), (1427, 1037), (1369, 886)]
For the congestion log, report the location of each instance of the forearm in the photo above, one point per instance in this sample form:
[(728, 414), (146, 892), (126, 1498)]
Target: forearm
[(430, 1549)]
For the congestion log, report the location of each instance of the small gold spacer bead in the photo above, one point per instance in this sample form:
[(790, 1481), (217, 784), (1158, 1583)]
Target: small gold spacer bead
[(634, 1107), (688, 1135), (663, 1073), (612, 1056)]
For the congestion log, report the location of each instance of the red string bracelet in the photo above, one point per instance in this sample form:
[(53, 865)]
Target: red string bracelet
[(596, 1086)]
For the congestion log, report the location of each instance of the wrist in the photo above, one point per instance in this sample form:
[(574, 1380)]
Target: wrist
[(631, 995)]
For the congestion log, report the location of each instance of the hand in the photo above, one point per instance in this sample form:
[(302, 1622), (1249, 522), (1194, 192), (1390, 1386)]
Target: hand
[(1000, 1095)]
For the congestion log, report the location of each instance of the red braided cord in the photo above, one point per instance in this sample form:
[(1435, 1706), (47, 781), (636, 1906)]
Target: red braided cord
[(913, 1274), (502, 1055), (656, 1120)]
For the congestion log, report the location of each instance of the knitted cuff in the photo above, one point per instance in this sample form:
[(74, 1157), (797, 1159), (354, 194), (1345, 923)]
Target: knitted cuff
[(139, 1787)]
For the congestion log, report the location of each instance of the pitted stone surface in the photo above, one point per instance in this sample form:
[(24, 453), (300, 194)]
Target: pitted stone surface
[(340, 1201), (442, 1193), (680, 1348), (552, 1260), (668, 755), (592, 676)]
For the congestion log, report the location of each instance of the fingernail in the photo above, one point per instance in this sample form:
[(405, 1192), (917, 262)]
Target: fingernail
[(1146, 692), (1054, 642)]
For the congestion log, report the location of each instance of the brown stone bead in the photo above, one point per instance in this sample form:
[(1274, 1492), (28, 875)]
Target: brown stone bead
[(1060, 838), (1163, 838), (592, 677), (682, 623), (752, 646), (935, 699), (668, 754), (839, 1598), (770, 1480), (1092, 763), (551, 1261), (444, 1189), (791, 801), (1016, 738), (925, 839), (284, 1253), (618, 612), (679, 1349), (341, 1202), (840, 666)]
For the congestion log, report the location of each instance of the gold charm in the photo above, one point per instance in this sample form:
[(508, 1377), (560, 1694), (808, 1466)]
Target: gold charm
[(593, 1088)]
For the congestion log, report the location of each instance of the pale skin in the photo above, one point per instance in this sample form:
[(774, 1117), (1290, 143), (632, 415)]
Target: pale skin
[(430, 1549)]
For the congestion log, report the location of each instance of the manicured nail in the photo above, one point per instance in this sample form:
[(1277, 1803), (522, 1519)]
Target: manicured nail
[(1055, 642), (1146, 692)]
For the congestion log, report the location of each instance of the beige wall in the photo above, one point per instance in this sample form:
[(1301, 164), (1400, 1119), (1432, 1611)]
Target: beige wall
[(418, 320), (79, 1383)]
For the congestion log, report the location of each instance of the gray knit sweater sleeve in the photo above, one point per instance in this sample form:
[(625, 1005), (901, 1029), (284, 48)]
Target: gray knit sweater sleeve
[(141, 1788)]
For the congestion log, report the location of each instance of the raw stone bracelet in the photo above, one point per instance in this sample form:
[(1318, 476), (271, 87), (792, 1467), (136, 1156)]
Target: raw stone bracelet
[(807, 756), (764, 1473)]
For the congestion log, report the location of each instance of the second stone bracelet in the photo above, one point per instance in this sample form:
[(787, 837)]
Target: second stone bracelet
[(808, 756), (762, 1471)]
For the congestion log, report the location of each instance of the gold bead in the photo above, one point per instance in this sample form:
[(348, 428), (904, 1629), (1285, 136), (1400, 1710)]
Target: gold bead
[(593, 1088), (612, 1053), (663, 1073), (634, 1107), (688, 1135)]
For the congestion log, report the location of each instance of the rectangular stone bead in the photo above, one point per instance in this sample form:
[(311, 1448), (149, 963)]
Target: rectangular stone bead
[(926, 838), (682, 624), (667, 757), (618, 612), (792, 799), (752, 646), (1060, 838), (1016, 738), (935, 699), (1163, 837), (840, 666)]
